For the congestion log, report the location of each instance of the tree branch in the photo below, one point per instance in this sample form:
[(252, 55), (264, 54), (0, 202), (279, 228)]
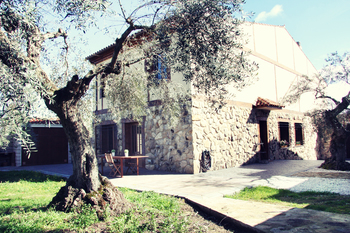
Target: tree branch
[(328, 97), (341, 106), (119, 45), (19, 63), (53, 35), (135, 61)]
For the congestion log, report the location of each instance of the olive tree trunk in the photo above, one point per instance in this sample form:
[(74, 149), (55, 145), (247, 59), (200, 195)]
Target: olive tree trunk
[(86, 185), (337, 147)]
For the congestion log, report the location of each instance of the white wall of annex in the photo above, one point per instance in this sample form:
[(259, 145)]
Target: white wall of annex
[(285, 79), (264, 87), (265, 40), (300, 60), (281, 62), (248, 35), (284, 45)]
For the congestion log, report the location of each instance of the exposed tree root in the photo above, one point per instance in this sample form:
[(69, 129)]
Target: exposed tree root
[(107, 199), (332, 164)]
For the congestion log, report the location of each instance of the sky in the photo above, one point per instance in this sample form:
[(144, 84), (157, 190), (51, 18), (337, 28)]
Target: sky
[(321, 26)]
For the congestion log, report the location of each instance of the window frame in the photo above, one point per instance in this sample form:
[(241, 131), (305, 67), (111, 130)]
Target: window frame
[(109, 143), (299, 133), (284, 132), (154, 64)]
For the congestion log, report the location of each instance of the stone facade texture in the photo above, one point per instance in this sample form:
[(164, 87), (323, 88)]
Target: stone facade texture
[(231, 135), (169, 147)]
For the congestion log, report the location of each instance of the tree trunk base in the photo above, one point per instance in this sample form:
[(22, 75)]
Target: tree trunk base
[(108, 199), (332, 164)]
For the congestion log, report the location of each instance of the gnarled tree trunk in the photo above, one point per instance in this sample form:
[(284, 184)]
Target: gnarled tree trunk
[(337, 146), (86, 185)]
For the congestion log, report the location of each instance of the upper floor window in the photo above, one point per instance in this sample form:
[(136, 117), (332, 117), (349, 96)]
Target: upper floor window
[(102, 87), (158, 68), (298, 134)]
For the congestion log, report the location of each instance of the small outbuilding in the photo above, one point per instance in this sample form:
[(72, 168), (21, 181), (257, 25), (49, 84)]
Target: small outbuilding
[(50, 142)]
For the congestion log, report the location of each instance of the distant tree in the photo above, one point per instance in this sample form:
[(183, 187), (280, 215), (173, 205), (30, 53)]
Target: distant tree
[(199, 38), (328, 120)]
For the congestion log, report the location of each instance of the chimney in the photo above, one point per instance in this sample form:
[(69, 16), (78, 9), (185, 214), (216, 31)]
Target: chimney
[(298, 43)]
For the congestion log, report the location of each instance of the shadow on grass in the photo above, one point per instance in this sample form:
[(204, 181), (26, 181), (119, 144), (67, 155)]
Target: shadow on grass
[(30, 176)]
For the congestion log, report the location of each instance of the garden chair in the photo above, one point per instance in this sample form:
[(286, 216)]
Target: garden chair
[(116, 168)]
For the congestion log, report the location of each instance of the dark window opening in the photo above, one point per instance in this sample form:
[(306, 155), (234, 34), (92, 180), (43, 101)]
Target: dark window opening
[(298, 134), (107, 138), (133, 138), (102, 93), (284, 133), (263, 140), (102, 87)]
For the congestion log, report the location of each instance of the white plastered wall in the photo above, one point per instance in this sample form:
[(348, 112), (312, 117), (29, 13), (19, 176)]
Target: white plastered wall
[(281, 63)]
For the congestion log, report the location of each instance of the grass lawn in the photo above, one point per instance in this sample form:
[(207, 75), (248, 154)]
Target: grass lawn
[(24, 196), (324, 201)]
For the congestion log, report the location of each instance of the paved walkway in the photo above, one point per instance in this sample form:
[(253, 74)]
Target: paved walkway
[(206, 191)]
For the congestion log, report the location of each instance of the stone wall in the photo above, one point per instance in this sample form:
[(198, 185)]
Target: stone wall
[(231, 135), (169, 147), (307, 151)]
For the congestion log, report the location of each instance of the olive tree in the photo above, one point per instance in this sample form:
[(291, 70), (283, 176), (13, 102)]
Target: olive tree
[(328, 118), (199, 38)]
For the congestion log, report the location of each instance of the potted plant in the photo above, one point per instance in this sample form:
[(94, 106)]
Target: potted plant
[(113, 152), (126, 152), (284, 143)]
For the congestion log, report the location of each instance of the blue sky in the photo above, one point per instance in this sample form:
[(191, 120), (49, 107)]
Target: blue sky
[(321, 26)]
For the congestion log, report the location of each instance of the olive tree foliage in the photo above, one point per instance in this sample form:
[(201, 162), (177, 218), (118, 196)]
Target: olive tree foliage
[(26, 50), (329, 117), (199, 38)]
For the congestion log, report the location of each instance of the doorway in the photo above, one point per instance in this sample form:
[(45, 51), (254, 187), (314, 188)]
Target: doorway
[(263, 140), (51, 147), (134, 139)]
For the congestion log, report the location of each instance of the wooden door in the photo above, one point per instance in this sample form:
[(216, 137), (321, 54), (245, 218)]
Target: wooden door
[(51, 145), (263, 140)]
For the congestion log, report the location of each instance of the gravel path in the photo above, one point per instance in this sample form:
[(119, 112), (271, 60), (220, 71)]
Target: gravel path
[(315, 179), (322, 180), (341, 186)]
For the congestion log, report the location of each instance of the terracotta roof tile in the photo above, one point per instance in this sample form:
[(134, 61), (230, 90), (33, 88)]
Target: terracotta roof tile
[(45, 121), (263, 102)]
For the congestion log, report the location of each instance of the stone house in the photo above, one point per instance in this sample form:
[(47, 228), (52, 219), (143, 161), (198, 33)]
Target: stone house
[(250, 128)]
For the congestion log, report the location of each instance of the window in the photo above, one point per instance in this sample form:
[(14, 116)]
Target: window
[(102, 89), (134, 138), (298, 134), (284, 133), (107, 138), (102, 92), (161, 68), (158, 68)]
